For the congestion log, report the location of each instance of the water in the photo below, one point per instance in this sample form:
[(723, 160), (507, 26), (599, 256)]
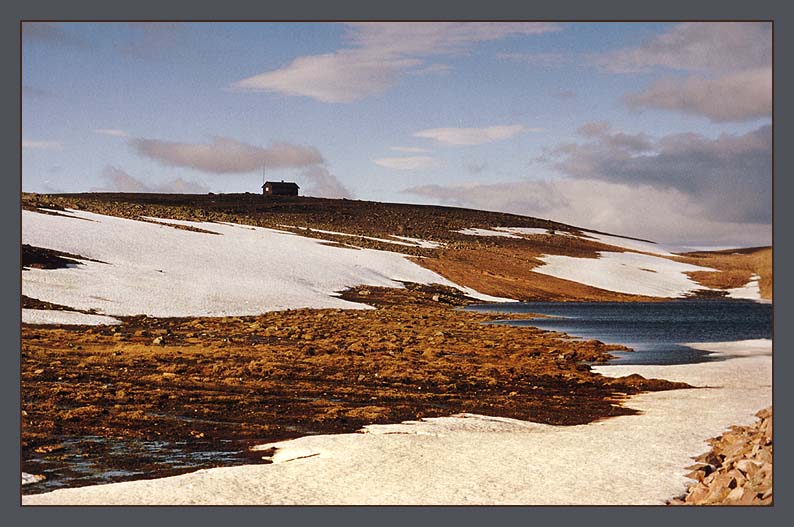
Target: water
[(92, 460), (656, 331)]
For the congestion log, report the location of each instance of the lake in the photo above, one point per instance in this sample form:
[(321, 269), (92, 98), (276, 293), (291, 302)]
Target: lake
[(657, 331)]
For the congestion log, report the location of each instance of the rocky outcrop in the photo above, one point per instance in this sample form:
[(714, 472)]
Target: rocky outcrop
[(737, 470)]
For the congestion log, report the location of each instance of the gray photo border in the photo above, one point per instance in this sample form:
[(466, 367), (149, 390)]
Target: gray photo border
[(673, 10)]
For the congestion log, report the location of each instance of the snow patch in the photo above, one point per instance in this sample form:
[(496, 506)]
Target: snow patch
[(486, 232), (630, 273), (335, 233), (632, 245), (164, 272), (750, 291), (52, 316), (425, 244), (533, 231), (736, 348), (29, 479)]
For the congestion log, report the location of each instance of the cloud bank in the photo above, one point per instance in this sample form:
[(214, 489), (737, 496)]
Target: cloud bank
[(117, 180), (224, 155), (741, 96), (378, 55), (227, 156), (682, 188), (730, 67)]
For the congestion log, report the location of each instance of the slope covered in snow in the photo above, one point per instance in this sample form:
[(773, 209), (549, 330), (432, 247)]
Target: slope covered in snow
[(627, 272), (146, 268)]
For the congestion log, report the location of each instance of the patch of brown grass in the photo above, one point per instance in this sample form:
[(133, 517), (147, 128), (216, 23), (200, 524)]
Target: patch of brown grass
[(508, 272), (734, 268)]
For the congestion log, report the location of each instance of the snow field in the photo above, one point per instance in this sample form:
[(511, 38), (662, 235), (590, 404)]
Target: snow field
[(165, 272), (630, 273)]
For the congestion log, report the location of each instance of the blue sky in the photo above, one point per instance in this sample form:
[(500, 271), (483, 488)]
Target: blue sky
[(646, 129)]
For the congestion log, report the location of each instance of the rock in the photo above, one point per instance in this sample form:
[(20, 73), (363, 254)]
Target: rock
[(158, 341), (698, 493), (737, 470), (748, 467), (29, 479), (735, 495)]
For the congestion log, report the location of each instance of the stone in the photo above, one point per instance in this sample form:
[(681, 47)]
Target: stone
[(735, 495), (748, 467), (158, 341)]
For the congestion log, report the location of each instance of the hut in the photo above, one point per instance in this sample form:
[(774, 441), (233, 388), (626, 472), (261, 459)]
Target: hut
[(280, 188)]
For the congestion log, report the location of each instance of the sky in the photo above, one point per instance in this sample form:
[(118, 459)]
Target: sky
[(655, 130)]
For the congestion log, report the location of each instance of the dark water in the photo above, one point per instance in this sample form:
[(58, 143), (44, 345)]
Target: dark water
[(656, 331), (92, 460)]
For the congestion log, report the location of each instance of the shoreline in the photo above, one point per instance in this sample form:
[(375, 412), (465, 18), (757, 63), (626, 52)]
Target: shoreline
[(320, 371), (308, 465)]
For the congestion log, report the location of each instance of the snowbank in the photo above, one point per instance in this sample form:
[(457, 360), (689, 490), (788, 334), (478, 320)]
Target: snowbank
[(471, 459), (487, 232), (750, 291), (152, 269), (51, 316), (533, 231), (632, 245), (425, 244), (406, 241), (631, 273)]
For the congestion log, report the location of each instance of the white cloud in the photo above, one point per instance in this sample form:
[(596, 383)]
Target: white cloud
[(409, 149), (41, 145), (730, 177), (474, 136), (379, 53), (111, 131), (407, 163), (731, 64), (662, 215), (227, 156), (741, 96), (681, 188), (322, 183), (698, 46), (117, 180)]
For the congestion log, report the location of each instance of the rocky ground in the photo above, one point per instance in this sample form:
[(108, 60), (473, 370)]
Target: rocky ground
[(738, 468), (198, 383)]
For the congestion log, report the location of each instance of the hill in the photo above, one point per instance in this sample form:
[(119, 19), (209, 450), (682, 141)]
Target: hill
[(497, 254)]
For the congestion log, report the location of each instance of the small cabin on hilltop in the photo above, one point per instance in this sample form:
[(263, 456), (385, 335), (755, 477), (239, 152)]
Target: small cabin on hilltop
[(276, 188)]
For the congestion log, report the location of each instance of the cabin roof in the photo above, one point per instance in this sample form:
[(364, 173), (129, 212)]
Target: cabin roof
[(281, 184)]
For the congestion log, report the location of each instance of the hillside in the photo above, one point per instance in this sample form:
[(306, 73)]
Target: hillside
[(502, 255), (148, 318)]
